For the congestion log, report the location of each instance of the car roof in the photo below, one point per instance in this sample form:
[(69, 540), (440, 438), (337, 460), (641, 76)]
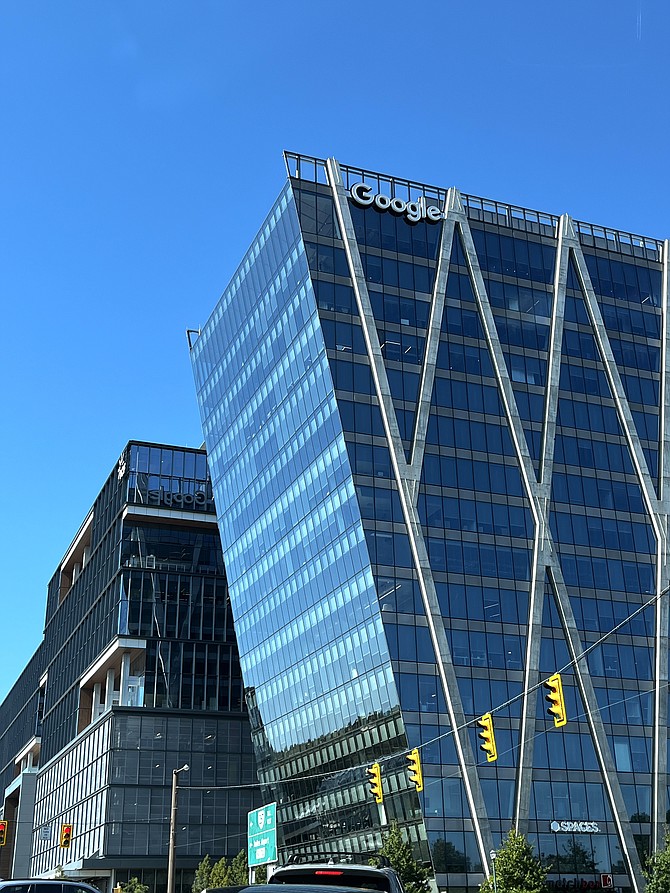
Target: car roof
[(286, 888)]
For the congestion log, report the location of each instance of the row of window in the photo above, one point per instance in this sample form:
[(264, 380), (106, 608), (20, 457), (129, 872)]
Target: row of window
[(612, 278), (603, 533), (384, 230), (482, 603), (520, 332), (454, 513), (590, 415), (168, 462), (479, 559), (603, 614), (621, 661), (607, 573), (641, 390), (393, 273), (511, 256), (468, 434), (606, 455), (636, 354), (486, 649), (575, 489), (472, 474)]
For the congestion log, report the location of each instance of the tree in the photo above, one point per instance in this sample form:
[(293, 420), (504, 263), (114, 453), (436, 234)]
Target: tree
[(202, 875), (657, 870), (413, 875), (134, 886), (261, 874), (517, 869), (220, 873), (238, 872)]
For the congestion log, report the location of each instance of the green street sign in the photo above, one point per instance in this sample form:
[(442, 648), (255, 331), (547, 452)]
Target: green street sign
[(262, 835)]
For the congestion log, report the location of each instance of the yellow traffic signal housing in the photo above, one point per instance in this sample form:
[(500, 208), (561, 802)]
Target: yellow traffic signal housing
[(65, 836), (3, 832), (414, 768), (556, 700), (488, 738), (375, 782)]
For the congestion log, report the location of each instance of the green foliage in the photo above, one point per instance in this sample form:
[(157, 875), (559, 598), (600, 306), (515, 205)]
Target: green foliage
[(261, 874), (219, 874), (225, 874), (239, 869), (202, 875), (413, 875), (134, 886), (517, 869), (657, 870)]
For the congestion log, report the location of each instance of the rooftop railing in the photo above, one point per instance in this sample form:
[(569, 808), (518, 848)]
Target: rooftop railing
[(313, 170)]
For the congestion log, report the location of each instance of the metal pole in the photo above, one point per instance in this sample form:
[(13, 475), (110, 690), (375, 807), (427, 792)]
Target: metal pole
[(493, 855), (173, 829)]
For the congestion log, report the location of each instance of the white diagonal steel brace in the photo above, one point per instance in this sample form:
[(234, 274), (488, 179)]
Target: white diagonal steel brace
[(597, 727), (543, 545), (546, 549), (432, 345), (544, 554), (619, 395), (660, 750), (406, 489), (657, 510)]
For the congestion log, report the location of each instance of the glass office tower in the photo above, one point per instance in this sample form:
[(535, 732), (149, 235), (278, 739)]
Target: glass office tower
[(436, 427), (137, 675)]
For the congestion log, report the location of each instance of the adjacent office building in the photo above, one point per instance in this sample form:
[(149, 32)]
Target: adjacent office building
[(137, 675), (437, 428)]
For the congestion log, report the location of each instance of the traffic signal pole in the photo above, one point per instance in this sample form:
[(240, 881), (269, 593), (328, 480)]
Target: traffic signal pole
[(173, 828)]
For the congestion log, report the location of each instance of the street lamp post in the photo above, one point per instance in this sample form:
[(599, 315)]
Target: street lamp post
[(493, 855), (173, 829)]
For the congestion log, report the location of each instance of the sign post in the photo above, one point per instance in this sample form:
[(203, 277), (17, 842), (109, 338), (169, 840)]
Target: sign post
[(262, 835)]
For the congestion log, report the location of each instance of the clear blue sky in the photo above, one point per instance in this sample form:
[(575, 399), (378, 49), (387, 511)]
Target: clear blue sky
[(140, 148)]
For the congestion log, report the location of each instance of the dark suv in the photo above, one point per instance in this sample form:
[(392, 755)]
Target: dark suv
[(341, 874)]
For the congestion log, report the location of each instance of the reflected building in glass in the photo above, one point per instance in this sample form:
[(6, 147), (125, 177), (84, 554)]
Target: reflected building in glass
[(137, 674), (437, 429)]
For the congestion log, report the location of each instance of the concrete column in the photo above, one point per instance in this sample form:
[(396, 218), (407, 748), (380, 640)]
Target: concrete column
[(24, 819), (125, 675), (109, 689), (97, 697)]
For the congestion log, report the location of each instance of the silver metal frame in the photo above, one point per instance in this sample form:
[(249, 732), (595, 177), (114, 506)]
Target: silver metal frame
[(546, 567)]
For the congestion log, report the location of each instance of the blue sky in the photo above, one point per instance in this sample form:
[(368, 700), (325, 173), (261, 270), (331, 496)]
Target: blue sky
[(141, 148)]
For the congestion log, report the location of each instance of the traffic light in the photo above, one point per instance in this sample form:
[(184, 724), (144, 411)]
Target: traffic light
[(488, 738), (556, 700), (414, 768), (375, 782), (3, 832), (65, 836)]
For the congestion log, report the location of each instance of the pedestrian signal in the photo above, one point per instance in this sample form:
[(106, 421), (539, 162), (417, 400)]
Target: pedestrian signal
[(3, 832)]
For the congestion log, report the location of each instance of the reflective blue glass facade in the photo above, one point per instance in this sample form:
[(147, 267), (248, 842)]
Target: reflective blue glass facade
[(137, 674), (435, 428)]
